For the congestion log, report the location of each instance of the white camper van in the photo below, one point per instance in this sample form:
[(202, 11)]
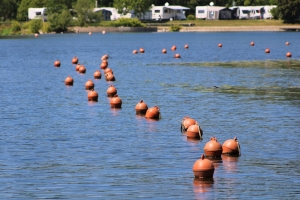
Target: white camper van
[(112, 13), (208, 12), (168, 12), (267, 14), (37, 13), (243, 12), (255, 12)]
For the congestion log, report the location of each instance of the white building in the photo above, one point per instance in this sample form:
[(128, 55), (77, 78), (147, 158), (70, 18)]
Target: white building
[(37, 13), (208, 12), (168, 12)]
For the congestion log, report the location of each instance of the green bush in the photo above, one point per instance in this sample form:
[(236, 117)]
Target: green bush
[(275, 13), (191, 17), (59, 22), (6, 31), (35, 25), (16, 26), (128, 22), (175, 28)]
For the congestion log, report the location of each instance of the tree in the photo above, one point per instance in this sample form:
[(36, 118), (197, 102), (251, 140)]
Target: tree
[(289, 10), (85, 13), (137, 6), (59, 21), (8, 9)]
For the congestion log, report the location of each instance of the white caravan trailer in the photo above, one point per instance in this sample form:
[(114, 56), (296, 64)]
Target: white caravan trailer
[(112, 13), (208, 12), (267, 14), (167, 12), (243, 12), (255, 12), (37, 13)]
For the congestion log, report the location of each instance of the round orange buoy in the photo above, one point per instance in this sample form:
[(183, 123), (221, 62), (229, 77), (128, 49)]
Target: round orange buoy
[(220, 45), (288, 54), (186, 46), (97, 74), (56, 63), (74, 60), (186, 122), (108, 70), (251, 43), (267, 50), (164, 51), (134, 51), (115, 102), (104, 57), (89, 85), (287, 43), (213, 148), (194, 131), (109, 77), (231, 147), (92, 95), (111, 91), (173, 48), (153, 113), (177, 55), (141, 108), (104, 64), (203, 168), (69, 80), (90, 33), (36, 35), (77, 67), (82, 69), (142, 50), (103, 32)]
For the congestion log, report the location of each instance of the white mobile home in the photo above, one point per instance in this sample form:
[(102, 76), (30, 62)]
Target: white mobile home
[(267, 12), (208, 12), (37, 13), (168, 12), (243, 12), (255, 12), (110, 13)]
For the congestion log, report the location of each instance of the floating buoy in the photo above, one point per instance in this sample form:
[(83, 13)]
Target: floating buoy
[(56, 63), (141, 108), (173, 48), (164, 51), (104, 57), (77, 67), (111, 91), (134, 51), (288, 54), (287, 43), (220, 45), (186, 122), (103, 32), (69, 80), (74, 60), (97, 74), (108, 70), (142, 50), (231, 147), (213, 148), (177, 55), (267, 50), (89, 85), (104, 64), (203, 168), (82, 69), (109, 77), (153, 113), (115, 102), (36, 35), (251, 43), (194, 131), (186, 46), (92, 95), (90, 33)]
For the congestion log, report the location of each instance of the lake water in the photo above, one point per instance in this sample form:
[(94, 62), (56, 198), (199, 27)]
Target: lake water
[(54, 144)]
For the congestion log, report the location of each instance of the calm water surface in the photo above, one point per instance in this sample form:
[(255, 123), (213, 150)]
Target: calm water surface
[(54, 144)]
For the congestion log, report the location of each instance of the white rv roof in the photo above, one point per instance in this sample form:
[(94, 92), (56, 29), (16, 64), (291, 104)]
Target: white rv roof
[(177, 7)]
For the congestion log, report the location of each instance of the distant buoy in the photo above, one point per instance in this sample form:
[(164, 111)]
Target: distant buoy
[(77, 67), (97, 74), (231, 147), (177, 55), (108, 70), (92, 95), (289, 54), (103, 32), (164, 51), (186, 122), (251, 43), (153, 113), (220, 45), (111, 91), (69, 80), (203, 168), (104, 57), (142, 50), (141, 108), (195, 132), (267, 50), (287, 43), (90, 33), (186, 46), (57, 63), (173, 48), (74, 60), (115, 102), (213, 148), (89, 85), (109, 77), (104, 64), (36, 35), (82, 69), (134, 51)]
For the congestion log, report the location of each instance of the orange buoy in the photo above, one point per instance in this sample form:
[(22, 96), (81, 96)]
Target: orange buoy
[(186, 46), (194, 131), (142, 50), (109, 77), (36, 35), (231, 147), (77, 67), (287, 43), (74, 60), (105, 57), (69, 80), (213, 148), (141, 108), (89, 85), (164, 50), (203, 168), (92, 95), (115, 102), (111, 91), (173, 48), (56, 63), (251, 43), (267, 50), (289, 54), (82, 69), (220, 45), (153, 113), (108, 70), (104, 64), (186, 122), (134, 51), (97, 74), (90, 33), (177, 55)]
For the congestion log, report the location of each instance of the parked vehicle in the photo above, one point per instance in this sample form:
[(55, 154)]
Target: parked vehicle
[(267, 12), (243, 12), (168, 12), (208, 12)]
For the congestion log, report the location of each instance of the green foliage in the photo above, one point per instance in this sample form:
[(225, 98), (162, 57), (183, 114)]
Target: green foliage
[(275, 13), (6, 31), (289, 10), (128, 22), (175, 28), (35, 25), (137, 6), (59, 22), (85, 14), (190, 17), (16, 26)]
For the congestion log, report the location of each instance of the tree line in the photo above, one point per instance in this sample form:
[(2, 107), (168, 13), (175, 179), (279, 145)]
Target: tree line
[(288, 10)]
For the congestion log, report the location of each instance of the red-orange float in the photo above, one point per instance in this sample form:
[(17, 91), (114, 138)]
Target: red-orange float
[(288, 54), (111, 91), (213, 148), (173, 48), (203, 168), (177, 55), (287, 43), (89, 85), (82, 69), (153, 113), (231, 147), (104, 64), (164, 51), (186, 122), (251, 43), (97, 74), (74, 60), (108, 70), (220, 45), (267, 50), (69, 80), (142, 50), (141, 108), (194, 132), (115, 102), (92, 95), (186, 46), (109, 77), (135, 51), (77, 67), (57, 63), (104, 57)]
